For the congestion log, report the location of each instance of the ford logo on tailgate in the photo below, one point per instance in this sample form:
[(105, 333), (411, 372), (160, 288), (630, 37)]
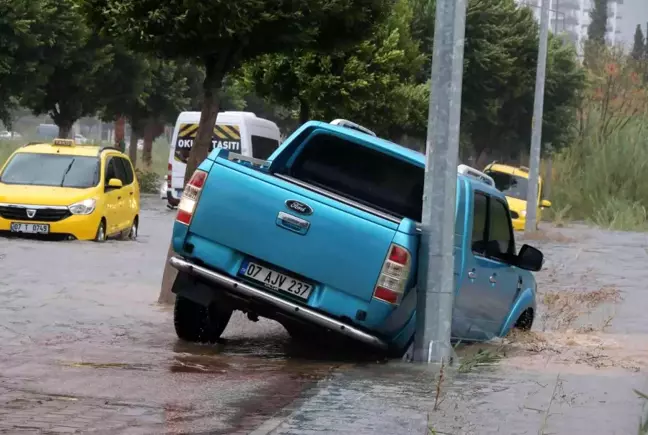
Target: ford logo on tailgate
[(299, 207)]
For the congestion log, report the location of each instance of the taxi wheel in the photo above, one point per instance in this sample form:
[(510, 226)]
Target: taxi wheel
[(131, 234), (196, 323), (101, 232)]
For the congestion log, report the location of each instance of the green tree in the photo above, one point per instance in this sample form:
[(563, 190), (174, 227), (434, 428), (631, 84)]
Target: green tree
[(221, 35), (500, 61), (371, 83), (639, 46), (20, 39), (598, 24), (73, 62)]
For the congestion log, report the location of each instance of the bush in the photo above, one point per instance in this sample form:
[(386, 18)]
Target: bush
[(601, 180), (149, 181)]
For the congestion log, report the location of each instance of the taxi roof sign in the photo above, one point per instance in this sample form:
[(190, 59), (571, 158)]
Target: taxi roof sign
[(64, 142)]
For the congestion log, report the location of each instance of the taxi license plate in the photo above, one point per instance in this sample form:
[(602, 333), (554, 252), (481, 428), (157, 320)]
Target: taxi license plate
[(275, 280), (18, 227)]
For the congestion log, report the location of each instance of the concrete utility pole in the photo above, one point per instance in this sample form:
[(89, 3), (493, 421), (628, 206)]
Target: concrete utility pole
[(436, 259), (536, 135)]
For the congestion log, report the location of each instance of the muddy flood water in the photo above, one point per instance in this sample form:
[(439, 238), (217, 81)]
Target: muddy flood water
[(84, 348)]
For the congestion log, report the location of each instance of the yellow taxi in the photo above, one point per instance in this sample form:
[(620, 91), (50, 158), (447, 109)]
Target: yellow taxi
[(513, 182), (69, 190)]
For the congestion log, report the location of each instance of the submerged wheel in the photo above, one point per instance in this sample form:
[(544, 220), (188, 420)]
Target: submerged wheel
[(131, 233), (196, 323), (101, 232), (525, 321)]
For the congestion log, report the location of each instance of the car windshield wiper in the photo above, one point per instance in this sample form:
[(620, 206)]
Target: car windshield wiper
[(66, 171)]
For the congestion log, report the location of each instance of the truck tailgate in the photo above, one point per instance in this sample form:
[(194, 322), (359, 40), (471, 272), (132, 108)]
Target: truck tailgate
[(343, 247)]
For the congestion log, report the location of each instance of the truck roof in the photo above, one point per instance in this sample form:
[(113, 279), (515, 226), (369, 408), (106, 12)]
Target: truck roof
[(396, 150)]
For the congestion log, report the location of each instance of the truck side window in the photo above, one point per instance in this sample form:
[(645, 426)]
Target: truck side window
[(480, 209), (500, 232)]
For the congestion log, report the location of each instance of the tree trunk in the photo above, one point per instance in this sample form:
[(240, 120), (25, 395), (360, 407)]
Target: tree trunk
[(149, 136), (199, 151), (120, 132), (64, 129), (304, 112), (132, 147)]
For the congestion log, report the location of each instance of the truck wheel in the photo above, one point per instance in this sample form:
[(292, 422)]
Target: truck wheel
[(196, 323), (298, 332), (525, 321)]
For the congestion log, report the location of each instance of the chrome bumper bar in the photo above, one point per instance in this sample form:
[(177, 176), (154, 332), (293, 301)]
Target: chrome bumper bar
[(238, 287)]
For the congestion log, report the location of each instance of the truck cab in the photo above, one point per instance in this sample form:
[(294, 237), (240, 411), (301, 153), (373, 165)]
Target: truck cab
[(324, 236)]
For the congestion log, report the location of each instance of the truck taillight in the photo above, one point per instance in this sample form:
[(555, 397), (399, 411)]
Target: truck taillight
[(394, 275), (190, 197), (169, 175)]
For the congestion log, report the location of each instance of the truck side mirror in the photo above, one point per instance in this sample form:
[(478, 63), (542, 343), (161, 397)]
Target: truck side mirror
[(530, 258)]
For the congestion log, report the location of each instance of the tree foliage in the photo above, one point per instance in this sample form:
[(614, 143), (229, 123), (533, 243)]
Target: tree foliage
[(73, 64), (221, 35), (372, 82), (639, 45), (20, 38), (598, 25)]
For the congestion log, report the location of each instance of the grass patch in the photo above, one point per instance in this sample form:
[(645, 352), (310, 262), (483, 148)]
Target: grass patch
[(599, 179)]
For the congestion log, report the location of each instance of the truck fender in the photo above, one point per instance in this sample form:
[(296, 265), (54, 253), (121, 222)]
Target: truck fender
[(188, 287), (397, 320), (523, 303)]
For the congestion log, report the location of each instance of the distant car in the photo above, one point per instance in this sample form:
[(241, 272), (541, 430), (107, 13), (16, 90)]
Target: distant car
[(513, 182), (9, 135), (82, 192), (80, 139)]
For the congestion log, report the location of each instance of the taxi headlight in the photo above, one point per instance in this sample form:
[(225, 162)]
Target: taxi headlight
[(86, 206), (523, 213)]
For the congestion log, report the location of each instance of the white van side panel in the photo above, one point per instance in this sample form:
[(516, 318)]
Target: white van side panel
[(248, 124)]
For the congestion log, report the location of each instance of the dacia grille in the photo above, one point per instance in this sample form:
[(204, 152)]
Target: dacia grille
[(45, 214)]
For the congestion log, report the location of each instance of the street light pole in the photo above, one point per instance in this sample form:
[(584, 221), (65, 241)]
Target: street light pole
[(436, 263), (536, 135)]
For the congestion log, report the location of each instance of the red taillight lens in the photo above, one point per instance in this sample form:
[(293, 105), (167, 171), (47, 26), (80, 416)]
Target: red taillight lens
[(393, 276), (399, 255), (169, 175), (386, 295), (197, 180), (190, 197)]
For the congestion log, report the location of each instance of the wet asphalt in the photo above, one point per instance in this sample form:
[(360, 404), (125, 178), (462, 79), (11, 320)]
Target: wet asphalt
[(84, 348)]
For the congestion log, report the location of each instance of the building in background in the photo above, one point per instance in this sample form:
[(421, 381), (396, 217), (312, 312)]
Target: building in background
[(571, 18)]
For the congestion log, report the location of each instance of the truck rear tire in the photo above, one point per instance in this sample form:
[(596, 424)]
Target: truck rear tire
[(199, 324)]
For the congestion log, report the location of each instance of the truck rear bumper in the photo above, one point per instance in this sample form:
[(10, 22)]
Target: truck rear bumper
[(241, 289)]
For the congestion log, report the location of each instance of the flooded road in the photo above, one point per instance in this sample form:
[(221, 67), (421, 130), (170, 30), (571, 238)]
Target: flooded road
[(85, 348)]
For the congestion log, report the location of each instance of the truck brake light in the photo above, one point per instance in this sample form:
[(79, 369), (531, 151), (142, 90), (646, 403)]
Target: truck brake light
[(190, 197), (169, 175), (394, 275)]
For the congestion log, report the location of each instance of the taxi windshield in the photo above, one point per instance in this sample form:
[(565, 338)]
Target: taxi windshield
[(51, 170), (511, 185)]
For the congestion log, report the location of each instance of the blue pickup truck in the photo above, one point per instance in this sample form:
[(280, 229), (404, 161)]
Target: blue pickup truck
[(323, 237)]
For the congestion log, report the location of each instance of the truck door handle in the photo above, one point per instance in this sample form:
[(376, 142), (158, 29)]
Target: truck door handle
[(119, 197), (131, 194), (472, 274), (493, 278)]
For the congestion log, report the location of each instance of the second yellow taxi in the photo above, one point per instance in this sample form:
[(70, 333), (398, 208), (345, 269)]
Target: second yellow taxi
[(513, 182), (69, 190)]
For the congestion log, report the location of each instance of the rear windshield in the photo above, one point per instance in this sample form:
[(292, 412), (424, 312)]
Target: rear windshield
[(51, 170), (366, 176)]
